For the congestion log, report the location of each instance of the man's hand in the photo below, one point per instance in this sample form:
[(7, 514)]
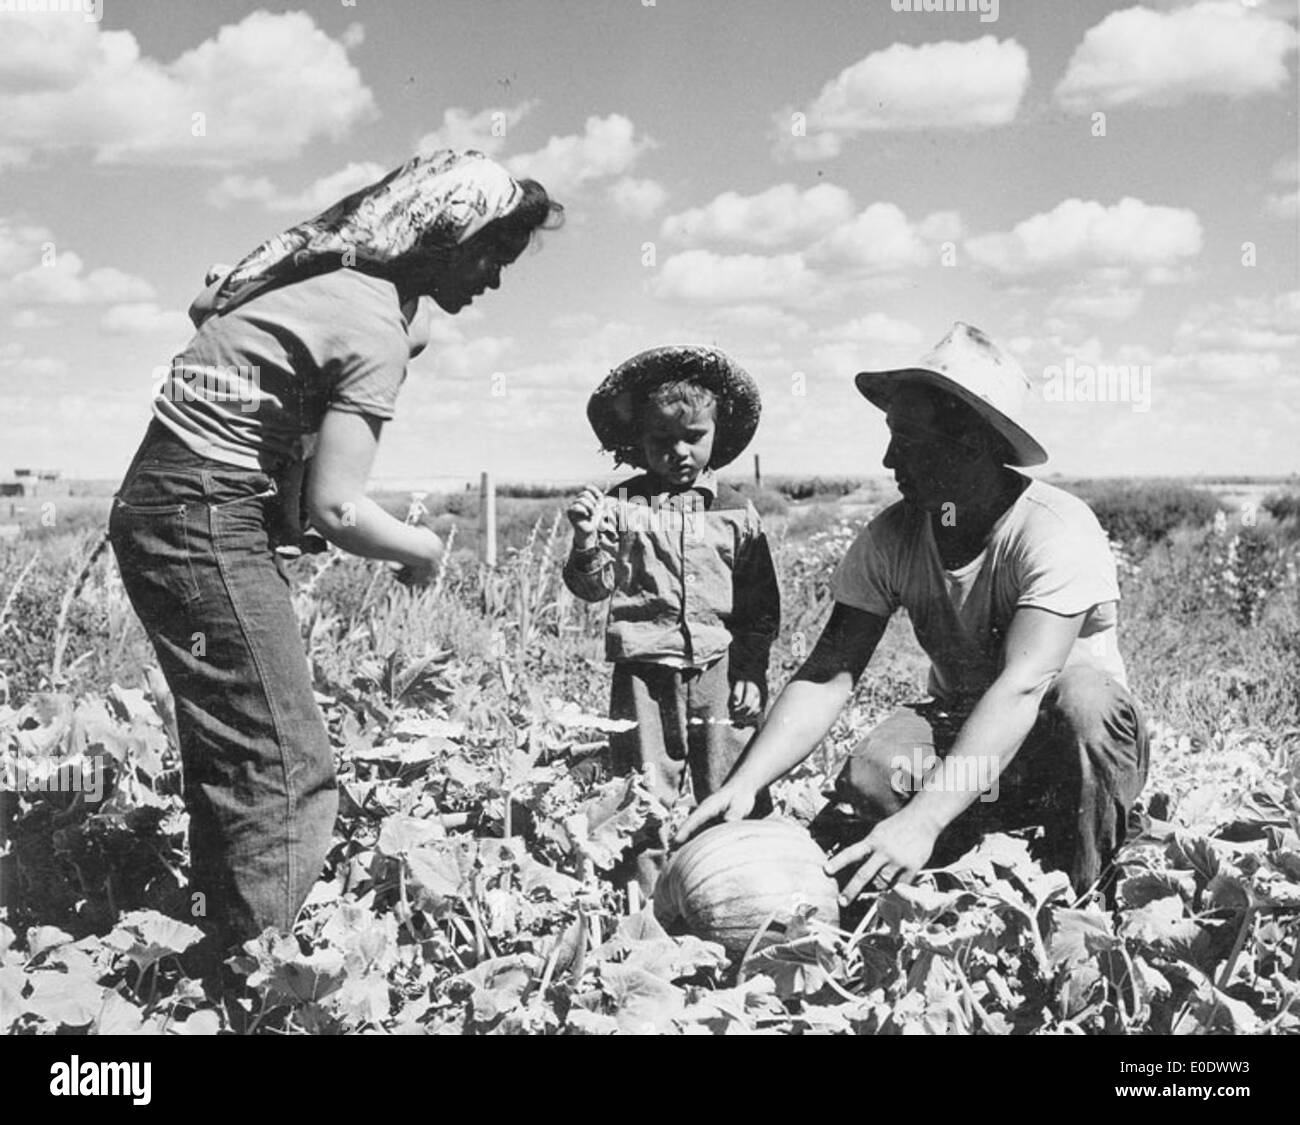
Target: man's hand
[(893, 852), (731, 802), (746, 702), (585, 515)]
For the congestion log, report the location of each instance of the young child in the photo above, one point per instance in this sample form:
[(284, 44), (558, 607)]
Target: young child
[(694, 602)]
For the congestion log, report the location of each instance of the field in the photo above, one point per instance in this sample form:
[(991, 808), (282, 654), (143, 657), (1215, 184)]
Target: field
[(477, 884)]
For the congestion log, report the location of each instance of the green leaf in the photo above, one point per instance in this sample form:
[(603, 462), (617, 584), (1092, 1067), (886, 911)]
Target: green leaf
[(1078, 934), (146, 936), (645, 1004), (64, 1000)]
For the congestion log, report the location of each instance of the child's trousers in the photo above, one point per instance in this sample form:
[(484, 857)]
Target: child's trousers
[(683, 737), (683, 731)]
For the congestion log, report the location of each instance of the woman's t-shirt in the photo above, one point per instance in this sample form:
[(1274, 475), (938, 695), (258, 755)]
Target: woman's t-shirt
[(253, 382), (1047, 550)]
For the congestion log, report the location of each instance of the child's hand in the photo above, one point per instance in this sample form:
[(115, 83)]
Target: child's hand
[(746, 702), (585, 515)]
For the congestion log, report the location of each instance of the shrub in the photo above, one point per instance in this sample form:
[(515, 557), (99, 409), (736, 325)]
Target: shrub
[(1282, 505), (1145, 512)]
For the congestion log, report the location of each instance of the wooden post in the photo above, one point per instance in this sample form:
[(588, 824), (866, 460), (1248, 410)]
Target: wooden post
[(758, 473), (487, 517)]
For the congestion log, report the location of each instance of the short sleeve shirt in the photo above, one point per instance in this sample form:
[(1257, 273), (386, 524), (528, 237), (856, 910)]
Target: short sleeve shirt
[(257, 380), (1046, 551)]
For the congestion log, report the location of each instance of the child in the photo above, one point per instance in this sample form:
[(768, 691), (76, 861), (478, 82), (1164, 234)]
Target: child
[(694, 602)]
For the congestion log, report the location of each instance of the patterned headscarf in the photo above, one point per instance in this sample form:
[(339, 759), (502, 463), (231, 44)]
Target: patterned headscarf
[(428, 205)]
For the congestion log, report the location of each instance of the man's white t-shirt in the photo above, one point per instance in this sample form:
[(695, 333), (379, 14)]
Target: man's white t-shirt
[(1047, 550)]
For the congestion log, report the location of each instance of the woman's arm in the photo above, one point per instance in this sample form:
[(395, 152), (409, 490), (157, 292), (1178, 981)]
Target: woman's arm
[(337, 501)]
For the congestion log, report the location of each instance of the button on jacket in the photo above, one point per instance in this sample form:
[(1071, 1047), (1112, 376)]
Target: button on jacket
[(689, 576)]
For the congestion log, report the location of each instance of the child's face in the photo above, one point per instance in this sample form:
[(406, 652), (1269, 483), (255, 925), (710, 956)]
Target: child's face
[(677, 440)]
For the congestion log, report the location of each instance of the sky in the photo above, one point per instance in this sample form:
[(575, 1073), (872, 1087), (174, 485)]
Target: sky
[(817, 189)]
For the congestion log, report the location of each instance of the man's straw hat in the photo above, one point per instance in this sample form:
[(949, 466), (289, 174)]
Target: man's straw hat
[(967, 365)]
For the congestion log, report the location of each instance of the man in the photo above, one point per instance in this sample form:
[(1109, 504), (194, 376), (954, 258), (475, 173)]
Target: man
[(1010, 587)]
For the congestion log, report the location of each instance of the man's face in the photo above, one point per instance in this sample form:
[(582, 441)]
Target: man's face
[(677, 441), (931, 467)]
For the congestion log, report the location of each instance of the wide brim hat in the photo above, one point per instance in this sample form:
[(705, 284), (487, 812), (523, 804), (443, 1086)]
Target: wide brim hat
[(970, 367), (613, 407)]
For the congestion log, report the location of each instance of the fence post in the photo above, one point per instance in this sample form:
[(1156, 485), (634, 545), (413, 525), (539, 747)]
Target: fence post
[(487, 517), (758, 473)]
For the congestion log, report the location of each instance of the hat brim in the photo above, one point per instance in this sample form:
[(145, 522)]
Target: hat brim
[(611, 409), (879, 388)]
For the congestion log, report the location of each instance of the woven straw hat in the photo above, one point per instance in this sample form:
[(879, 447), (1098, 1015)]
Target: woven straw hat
[(972, 368), (612, 409)]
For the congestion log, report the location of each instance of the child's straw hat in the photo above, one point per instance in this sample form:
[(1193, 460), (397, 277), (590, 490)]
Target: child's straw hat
[(613, 407)]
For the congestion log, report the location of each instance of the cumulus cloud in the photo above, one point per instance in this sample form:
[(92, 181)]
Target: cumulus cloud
[(1111, 303), (261, 88), (873, 341), (311, 200), (146, 318), (34, 271), (608, 147), (703, 277), (1286, 204), (1143, 57), (485, 131), (877, 240), (637, 199), (1079, 234), (945, 85), (1243, 324), (779, 217)]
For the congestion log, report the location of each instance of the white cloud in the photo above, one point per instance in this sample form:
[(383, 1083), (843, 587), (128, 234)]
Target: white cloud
[(946, 85), (637, 199), (485, 131), (703, 277), (1078, 234), (35, 271), (1285, 205), (1144, 57), (264, 87), (146, 318), (30, 318), (877, 240), (608, 147), (874, 341), (1110, 303), (1243, 324), (779, 217), (65, 283), (312, 200)]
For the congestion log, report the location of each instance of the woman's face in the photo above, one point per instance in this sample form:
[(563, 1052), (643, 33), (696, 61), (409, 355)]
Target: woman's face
[(472, 268)]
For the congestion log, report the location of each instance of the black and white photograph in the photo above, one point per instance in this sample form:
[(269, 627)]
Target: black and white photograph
[(651, 518)]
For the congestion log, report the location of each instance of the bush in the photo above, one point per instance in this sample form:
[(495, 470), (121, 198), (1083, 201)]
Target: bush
[(1282, 505), (1138, 511)]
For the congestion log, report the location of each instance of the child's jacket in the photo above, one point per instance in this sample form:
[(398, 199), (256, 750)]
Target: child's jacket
[(689, 576)]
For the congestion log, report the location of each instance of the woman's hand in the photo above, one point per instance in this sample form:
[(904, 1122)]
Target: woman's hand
[(731, 802), (586, 517), (893, 852), (421, 574)]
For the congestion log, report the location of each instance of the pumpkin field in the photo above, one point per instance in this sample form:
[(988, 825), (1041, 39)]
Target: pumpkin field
[(478, 880)]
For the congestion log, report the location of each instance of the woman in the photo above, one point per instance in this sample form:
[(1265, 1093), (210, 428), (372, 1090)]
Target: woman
[(306, 340)]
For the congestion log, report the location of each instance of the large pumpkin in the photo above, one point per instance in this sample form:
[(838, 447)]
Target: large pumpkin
[(725, 883)]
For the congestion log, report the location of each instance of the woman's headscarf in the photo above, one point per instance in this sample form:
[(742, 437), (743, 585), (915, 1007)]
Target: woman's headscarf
[(428, 205)]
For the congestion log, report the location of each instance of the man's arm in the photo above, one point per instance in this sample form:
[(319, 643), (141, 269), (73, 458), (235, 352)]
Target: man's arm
[(801, 717), (1037, 646)]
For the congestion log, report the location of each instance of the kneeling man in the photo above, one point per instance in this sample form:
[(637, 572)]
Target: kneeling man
[(1010, 587)]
